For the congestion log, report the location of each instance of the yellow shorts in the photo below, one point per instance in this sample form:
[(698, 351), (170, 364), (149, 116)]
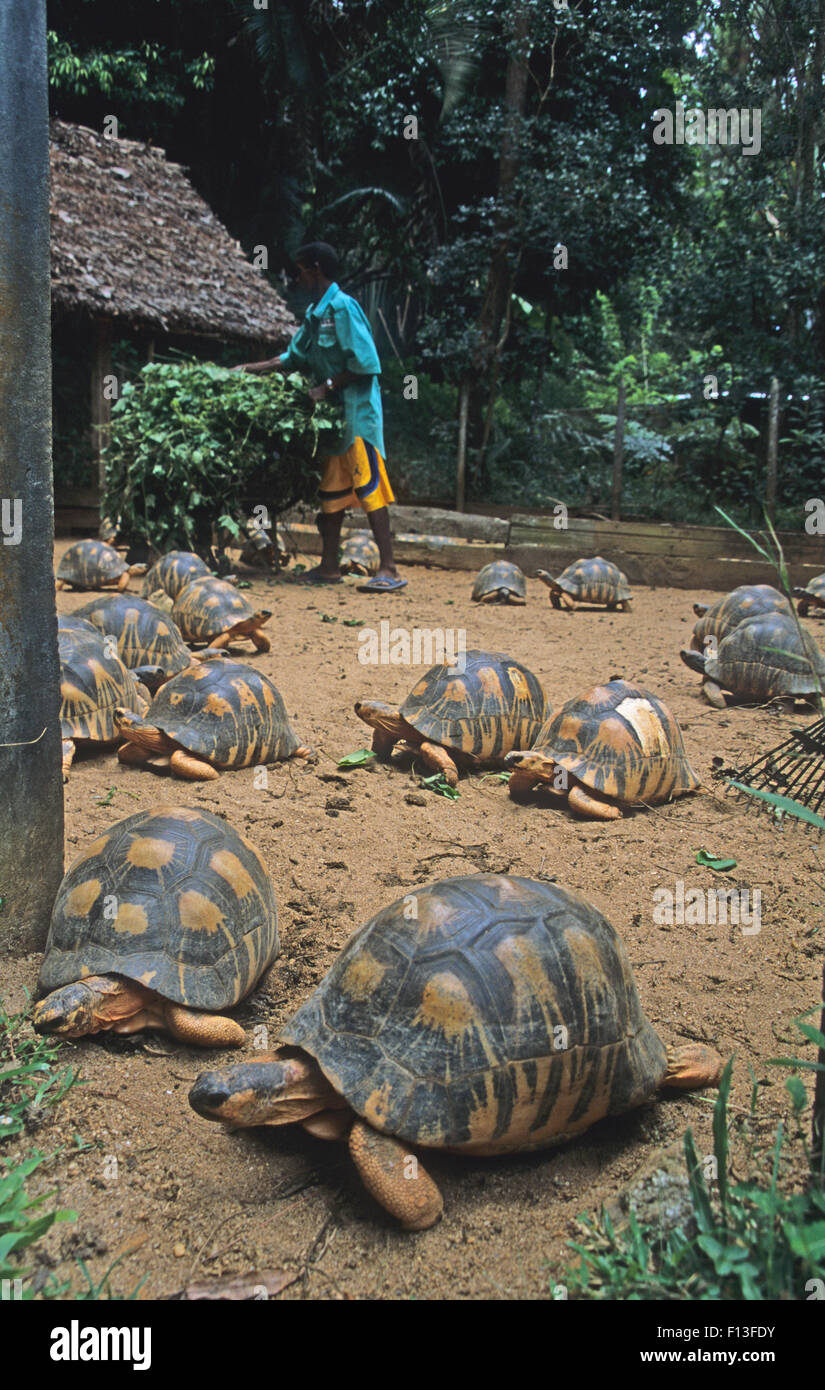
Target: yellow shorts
[(355, 478)]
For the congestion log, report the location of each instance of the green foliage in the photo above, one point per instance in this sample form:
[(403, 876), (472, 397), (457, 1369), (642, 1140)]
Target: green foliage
[(193, 444), (29, 1083), (745, 1240)]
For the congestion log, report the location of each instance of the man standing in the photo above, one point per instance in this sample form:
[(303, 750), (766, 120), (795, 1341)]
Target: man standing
[(335, 344)]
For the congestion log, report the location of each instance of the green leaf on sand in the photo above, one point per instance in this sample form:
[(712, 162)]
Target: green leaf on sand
[(783, 805), (713, 861), (439, 784), (356, 759)]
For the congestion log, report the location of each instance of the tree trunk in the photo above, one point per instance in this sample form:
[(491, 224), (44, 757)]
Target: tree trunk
[(101, 406), (618, 454), (461, 462), (772, 449), (31, 804), (501, 275)]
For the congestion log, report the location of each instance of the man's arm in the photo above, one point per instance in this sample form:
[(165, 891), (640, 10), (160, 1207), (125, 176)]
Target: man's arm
[(273, 364)]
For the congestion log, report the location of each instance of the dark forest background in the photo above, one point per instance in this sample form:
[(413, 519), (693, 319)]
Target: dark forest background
[(681, 265)]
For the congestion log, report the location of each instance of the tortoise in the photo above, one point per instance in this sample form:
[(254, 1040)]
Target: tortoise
[(262, 548), (613, 747), (500, 582), (70, 622), (763, 657), (501, 1016), (147, 642), (588, 581), (93, 680), (220, 714), (468, 716), (718, 619), (167, 919), (212, 611), (812, 596), (94, 565), (359, 554), (172, 572)]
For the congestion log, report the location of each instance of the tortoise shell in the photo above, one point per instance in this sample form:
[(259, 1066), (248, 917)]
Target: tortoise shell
[(594, 581), (500, 579), (494, 706), (173, 898), (727, 613), (621, 741), (208, 607), (225, 712), (93, 681), (173, 572), (71, 622), (91, 565), (501, 1016), (764, 657), (359, 554), (812, 596), (144, 636)]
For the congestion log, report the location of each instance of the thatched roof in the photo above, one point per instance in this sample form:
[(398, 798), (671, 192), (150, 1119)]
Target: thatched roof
[(132, 241)]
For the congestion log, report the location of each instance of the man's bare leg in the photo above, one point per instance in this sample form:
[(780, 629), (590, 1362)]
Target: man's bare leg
[(329, 525), (379, 521)]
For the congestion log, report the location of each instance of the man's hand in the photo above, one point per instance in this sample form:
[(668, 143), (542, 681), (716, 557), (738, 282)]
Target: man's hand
[(318, 393), (272, 365)]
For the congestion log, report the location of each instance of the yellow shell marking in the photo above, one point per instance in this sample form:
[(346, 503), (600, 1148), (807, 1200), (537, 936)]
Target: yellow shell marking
[(519, 683), (362, 976), (176, 697), (177, 813), (229, 866), (445, 1005), (131, 918), (80, 899), (246, 696), (216, 704), (148, 853), (198, 913), (490, 683), (642, 717)]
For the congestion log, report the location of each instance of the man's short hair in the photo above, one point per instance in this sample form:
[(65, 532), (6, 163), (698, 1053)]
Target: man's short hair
[(319, 253)]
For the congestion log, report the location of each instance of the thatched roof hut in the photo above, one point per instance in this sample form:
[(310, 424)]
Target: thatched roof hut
[(136, 250), (132, 241)]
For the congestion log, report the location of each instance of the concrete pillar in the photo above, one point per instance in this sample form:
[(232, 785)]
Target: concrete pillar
[(31, 791)]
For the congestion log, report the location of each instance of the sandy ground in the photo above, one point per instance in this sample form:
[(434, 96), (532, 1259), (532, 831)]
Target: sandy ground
[(186, 1201)]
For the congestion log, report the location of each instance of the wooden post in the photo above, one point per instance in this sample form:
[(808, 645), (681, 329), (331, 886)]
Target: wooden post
[(461, 463), (618, 454), (31, 799), (101, 404), (772, 449)]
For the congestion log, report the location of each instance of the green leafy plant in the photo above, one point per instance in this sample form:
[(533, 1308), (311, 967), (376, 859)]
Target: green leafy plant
[(29, 1082), (439, 784), (744, 1240), (193, 444)]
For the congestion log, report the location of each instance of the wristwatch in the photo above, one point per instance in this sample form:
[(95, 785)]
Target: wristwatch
[(328, 384)]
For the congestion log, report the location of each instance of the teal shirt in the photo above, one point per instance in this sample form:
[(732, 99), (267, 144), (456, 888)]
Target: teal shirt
[(334, 337)]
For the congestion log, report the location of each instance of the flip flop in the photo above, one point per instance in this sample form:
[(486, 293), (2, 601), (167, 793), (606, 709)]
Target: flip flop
[(313, 577), (382, 585)]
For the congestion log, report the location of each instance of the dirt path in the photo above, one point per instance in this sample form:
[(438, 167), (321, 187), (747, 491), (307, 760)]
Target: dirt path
[(341, 845)]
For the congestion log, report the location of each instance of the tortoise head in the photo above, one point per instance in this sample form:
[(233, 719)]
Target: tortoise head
[(695, 660), (379, 715), (131, 726), (70, 1012), (276, 1089), (532, 761), (546, 579)]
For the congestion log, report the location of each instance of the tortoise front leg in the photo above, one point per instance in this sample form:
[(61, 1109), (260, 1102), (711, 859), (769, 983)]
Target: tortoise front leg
[(193, 769), (713, 694), (439, 760), (123, 582), (68, 756), (395, 1178), (204, 1030), (585, 803), (262, 642)]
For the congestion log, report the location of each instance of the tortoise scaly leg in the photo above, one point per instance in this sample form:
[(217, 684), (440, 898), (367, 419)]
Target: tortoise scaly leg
[(193, 769), (439, 760), (585, 803), (713, 694), (68, 756), (204, 1030), (123, 582), (626, 605), (692, 1066), (395, 1178), (262, 642), (218, 643)]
